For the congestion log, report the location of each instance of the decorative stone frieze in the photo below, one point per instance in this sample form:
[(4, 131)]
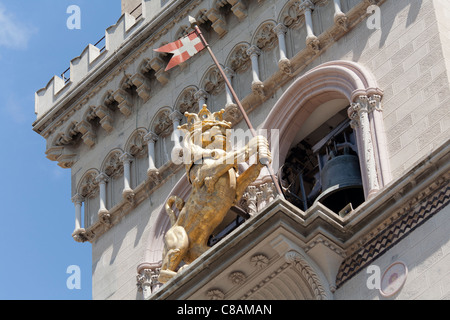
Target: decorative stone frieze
[(213, 82), (237, 277), (215, 294), (187, 102), (239, 60), (266, 37), (301, 264), (259, 261), (163, 125)]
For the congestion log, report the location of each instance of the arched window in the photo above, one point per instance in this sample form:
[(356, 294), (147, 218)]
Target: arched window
[(138, 149), (88, 189), (113, 168), (332, 110), (162, 126)]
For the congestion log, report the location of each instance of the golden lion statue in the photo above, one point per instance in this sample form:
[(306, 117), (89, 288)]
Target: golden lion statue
[(216, 186)]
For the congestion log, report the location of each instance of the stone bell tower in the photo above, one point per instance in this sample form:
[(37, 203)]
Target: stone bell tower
[(324, 85)]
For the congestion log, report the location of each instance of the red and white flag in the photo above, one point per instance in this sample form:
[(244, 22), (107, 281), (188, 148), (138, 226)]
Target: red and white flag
[(182, 49)]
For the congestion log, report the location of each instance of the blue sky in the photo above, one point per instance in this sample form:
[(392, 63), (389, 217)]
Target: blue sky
[(37, 216)]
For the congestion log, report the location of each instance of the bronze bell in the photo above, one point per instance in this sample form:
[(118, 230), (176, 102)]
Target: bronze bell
[(341, 183)]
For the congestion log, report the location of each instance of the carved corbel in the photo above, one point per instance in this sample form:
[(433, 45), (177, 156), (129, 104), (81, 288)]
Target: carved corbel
[(105, 116), (80, 235), (62, 155), (157, 64), (147, 281), (238, 8), (142, 86), (218, 24), (88, 135), (123, 98)]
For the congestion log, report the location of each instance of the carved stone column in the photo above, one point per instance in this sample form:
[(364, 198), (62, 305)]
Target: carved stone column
[(379, 136), (358, 112), (230, 74), (152, 171), (127, 192), (257, 85), (78, 202), (284, 64), (177, 151), (340, 18), (200, 96), (103, 213), (307, 6)]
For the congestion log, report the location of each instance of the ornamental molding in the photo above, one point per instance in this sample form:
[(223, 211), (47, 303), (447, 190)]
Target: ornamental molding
[(385, 235), (299, 262), (265, 37)]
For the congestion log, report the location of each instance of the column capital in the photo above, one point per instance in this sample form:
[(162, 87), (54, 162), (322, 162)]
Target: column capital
[(306, 5), (126, 157), (253, 51), (200, 94), (102, 178), (229, 72), (77, 199), (176, 116), (151, 137), (280, 29)]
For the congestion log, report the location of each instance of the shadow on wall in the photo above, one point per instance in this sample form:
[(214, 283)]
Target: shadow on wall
[(387, 21)]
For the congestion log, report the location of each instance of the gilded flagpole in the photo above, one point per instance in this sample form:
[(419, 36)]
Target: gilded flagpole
[(193, 23)]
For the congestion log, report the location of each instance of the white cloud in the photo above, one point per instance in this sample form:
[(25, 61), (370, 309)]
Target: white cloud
[(14, 34)]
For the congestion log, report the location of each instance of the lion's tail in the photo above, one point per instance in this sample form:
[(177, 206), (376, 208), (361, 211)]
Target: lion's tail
[(179, 204)]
